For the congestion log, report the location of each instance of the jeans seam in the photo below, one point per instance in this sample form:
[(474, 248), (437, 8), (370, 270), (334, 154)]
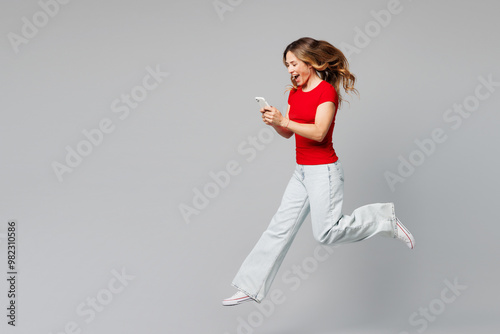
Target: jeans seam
[(393, 220), (330, 206)]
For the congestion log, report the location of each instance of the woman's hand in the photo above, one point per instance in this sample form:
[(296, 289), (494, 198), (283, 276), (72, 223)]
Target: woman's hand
[(263, 112), (272, 116)]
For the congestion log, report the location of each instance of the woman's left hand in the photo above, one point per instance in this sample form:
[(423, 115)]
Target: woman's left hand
[(272, 116)]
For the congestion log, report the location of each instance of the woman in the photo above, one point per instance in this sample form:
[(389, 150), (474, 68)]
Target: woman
[(317, 70)]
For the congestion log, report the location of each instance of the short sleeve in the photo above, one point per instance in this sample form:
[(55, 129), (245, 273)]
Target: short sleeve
[(328, 94), (290, 95)]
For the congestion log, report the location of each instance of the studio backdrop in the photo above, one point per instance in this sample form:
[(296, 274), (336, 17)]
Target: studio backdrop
[(137, 174)]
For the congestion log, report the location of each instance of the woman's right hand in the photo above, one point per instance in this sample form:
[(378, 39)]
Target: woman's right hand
[(263, 111)]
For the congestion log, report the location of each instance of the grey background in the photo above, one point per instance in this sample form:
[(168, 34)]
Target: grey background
[(119, 209)]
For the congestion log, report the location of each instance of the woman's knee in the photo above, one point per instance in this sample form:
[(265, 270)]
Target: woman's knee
[(328, 237), (321, 237)]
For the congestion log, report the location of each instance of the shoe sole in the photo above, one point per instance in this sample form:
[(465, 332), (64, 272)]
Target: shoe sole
[(407, 233), (233, 302)]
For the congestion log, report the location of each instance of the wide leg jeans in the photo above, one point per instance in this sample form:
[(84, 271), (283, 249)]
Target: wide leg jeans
[(315, 189)]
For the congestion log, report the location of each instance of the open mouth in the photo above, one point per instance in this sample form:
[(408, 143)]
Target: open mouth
[(295, 77)]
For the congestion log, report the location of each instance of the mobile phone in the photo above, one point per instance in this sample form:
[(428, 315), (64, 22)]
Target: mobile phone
[(262, 102)]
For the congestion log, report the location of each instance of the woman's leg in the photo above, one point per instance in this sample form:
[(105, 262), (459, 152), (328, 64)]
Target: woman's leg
[(260, 267), (325, 186)]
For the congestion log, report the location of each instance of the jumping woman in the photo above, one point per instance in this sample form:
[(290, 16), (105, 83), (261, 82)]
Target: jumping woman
[(317, 70)]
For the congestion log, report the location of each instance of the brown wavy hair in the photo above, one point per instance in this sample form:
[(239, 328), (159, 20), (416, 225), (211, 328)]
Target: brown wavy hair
[(329, 62)]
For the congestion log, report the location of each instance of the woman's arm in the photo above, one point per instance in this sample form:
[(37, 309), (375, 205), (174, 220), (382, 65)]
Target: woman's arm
[(316, 131)]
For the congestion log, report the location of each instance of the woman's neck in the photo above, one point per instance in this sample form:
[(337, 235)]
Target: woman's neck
[(314, 80)]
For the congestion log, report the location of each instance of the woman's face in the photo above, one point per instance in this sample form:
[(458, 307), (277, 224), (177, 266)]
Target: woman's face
[(299, 70)]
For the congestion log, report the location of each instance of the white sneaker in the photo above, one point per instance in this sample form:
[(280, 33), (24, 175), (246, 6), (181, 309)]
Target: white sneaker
[(236, 299), (404, 235)]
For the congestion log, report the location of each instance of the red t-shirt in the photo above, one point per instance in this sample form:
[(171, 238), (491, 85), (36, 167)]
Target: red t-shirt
[(303, 107)]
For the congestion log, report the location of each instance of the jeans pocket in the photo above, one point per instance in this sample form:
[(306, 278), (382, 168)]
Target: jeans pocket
[(337, 166)]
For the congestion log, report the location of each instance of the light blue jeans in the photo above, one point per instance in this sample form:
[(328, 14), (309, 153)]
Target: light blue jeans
[(317, 189)]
